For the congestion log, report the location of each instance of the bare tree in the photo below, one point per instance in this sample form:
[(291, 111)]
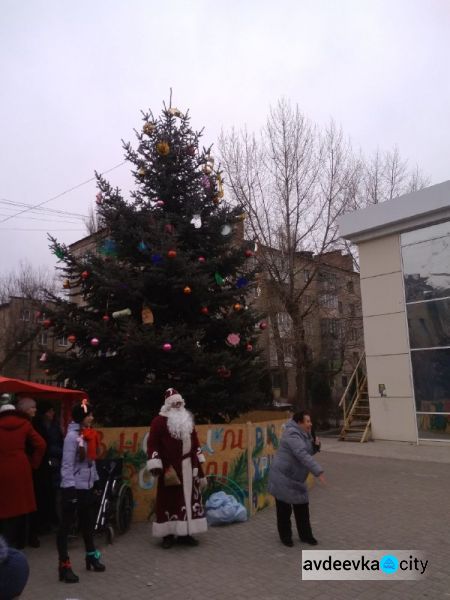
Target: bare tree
[(22, 294), (293, 181)]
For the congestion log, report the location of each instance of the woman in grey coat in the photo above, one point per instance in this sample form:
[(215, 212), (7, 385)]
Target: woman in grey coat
[(287, 478), (78, 476)]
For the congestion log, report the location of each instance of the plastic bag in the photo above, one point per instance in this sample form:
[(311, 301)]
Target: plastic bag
[(221, 508)]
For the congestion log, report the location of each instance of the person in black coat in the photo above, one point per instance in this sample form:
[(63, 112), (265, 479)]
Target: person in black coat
[(47, 478)]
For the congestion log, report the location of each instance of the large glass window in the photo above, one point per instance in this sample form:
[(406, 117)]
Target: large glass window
[(426, 271)]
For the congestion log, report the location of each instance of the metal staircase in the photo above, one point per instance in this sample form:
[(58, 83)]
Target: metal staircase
[(355, 406)]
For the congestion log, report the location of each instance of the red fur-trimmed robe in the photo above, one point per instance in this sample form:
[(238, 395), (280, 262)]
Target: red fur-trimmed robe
[(179, 509)]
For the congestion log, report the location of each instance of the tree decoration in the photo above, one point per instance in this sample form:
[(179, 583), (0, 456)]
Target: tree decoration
[(121, 314), (169, 228), (220, 186), (105, 318), (206, 182), (196, 221), (204, 310), (94, 342), (43, 357), (149, 128), (99, 198), (237, 307), (233, 339), (47, 323), (263, 325), (226, 230), (142, 246), (157, 258), (47, 371), (175, 112), (66, 284), (162, 148), (191, 150), (59, 252), (142, 171), (108, 248), (249, 347), (172, 254), (72, 339), (167, 347), (187, 290), (218, 278), (223, 372), (147, 315), (84, 274), (241, 282), (248, 253), (159, 203), (201, 259)]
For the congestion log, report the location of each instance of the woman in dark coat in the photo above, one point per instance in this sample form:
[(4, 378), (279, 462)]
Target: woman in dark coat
[(17, 499)]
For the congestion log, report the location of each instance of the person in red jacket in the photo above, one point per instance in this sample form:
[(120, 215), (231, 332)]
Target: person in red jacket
[(17, 437), (175, 457)]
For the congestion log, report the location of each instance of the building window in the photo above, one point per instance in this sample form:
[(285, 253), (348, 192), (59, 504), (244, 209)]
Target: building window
[(353, 334), (43, 338), (350, 287), (306, 276), (328, 301), (62, 341), (340, 308), (344, 381), (329, 327), (25, 315)]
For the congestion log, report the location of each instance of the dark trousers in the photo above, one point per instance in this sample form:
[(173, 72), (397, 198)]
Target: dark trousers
[(301, 514), (81, 510)]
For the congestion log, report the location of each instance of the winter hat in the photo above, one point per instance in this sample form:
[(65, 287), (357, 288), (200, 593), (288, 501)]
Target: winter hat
[(80, 411), (7, 407), (14, 571), (171, 397)]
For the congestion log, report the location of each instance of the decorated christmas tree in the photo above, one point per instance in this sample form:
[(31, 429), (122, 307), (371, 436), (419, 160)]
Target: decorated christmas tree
[(163, 297)]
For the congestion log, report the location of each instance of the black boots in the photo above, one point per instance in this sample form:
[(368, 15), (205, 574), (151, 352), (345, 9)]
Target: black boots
[(93, 561), (65, 572), (187, 540), (309, 540), (168, 541)]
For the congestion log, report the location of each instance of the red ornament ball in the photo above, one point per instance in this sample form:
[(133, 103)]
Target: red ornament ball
[(47, 323), (263, 325), (191, 150), (47, 371), (172, 254), (159, 203), (105, 318), (187, 290), (249, 347), (94, 342), (72, 339), (248, 253), (84, 274), (167, 347), (223, 372), (201, 259), (204, 310)]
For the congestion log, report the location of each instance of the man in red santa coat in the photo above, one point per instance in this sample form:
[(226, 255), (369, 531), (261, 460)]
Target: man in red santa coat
[(175, 457)]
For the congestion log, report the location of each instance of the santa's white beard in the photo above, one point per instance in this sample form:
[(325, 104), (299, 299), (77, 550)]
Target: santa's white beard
[(180, 423)]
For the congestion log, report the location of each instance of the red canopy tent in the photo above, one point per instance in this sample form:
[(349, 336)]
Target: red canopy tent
[(49, 392)]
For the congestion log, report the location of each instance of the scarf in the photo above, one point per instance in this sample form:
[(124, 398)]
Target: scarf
[(91, 438)]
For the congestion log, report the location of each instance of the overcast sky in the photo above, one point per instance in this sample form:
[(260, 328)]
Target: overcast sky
[(75, 75)]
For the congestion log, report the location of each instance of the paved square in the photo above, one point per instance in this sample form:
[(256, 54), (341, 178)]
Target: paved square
[(369, 503)]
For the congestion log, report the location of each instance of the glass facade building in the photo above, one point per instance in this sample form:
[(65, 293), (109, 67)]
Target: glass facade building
[(426, 272)]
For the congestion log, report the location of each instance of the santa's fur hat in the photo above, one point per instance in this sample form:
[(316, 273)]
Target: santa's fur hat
[(171, 397)]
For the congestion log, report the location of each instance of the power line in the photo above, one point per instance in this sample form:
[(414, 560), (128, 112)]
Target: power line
[(75, 187), (10, 204), (47, 230)]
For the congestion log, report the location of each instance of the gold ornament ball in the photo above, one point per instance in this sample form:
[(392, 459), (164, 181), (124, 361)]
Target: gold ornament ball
[(163, 148), (187, 290), (149, 128), (142, 172), (237, 307)]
